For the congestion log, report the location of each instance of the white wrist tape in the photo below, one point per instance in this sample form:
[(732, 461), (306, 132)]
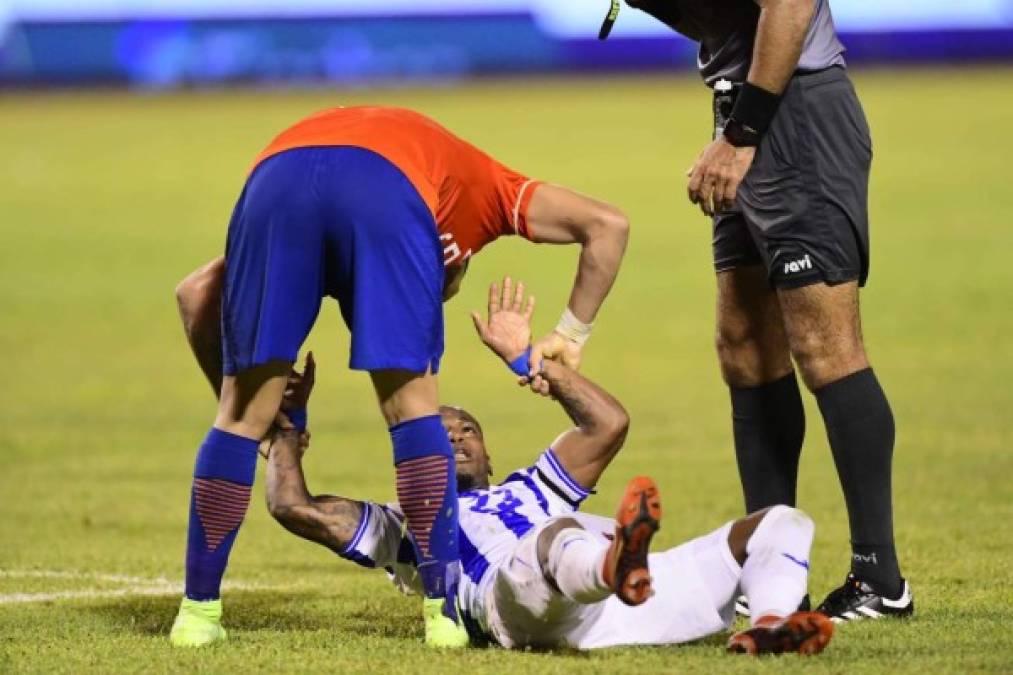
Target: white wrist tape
[(573, 329)]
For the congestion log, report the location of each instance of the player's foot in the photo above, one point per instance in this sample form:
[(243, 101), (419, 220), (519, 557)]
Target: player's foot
[(638, 518), (198, 623), (857, 599), (742, 605), (800, 633), (441, 630)]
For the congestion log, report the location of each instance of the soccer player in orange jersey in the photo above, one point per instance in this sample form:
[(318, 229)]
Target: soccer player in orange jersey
[(380, 208)]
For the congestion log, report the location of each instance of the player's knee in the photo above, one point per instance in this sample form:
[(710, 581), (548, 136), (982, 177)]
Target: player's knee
[(198, 294), (549, 534), (779, 522), (762, 530), (188, 292)]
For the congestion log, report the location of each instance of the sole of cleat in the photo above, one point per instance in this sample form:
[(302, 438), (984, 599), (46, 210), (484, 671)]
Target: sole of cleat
[(637, 520), (804, 633)]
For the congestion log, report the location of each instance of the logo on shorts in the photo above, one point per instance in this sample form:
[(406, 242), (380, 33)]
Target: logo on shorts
[(804, 263)]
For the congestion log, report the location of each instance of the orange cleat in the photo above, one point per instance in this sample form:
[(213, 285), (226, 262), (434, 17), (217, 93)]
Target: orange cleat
[(801, 633), (638, 518)]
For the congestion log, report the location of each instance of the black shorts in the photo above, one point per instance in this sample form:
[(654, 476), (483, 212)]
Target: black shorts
[(802, 209)]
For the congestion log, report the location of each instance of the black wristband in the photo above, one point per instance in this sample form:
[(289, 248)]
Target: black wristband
[(751, 116)]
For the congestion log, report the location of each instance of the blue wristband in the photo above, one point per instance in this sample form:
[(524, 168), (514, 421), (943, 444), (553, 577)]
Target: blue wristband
[(299, 418), (519, 366)]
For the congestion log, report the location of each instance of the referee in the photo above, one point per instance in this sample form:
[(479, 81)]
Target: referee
[(785, 181)]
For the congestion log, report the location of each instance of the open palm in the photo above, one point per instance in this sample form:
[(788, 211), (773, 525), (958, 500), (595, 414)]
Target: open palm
[(507, 331)]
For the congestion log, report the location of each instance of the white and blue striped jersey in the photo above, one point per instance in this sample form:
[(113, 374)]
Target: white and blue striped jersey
[(491, 522)]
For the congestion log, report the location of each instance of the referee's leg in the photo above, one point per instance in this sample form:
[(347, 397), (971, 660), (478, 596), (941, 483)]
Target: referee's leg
[(768, 420), (824, 331)]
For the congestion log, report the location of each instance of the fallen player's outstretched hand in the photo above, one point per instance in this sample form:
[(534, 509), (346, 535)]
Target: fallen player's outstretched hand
[(508, 329)]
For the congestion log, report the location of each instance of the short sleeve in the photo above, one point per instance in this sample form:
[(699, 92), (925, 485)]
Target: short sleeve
[(514, 191), (556, 483)]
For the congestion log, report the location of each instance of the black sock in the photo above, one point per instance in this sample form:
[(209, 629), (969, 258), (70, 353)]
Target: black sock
[(769, 425), (861, 432)]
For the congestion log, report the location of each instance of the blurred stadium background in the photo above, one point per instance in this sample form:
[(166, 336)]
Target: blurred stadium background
[(166, 43), (126, 127)]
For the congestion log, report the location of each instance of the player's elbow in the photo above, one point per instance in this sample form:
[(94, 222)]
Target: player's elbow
[(286, 514), (604, 223), (613, 221), (614, 425)]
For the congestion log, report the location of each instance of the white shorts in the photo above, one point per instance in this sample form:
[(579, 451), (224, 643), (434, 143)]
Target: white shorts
[(695, 585)]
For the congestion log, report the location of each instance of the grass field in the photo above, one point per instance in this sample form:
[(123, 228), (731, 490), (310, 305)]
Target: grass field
[(107, 199)]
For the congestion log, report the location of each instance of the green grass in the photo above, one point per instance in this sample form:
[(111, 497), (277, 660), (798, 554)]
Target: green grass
[(107, 199)]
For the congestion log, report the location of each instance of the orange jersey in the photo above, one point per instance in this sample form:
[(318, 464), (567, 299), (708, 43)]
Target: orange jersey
[(473, 198)]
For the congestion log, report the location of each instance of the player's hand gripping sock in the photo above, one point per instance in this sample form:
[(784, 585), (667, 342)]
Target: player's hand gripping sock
[(427, 494), (223, 475)]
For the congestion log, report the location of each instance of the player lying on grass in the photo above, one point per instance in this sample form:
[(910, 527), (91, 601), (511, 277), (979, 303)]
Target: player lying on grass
[(380, 208), (539, 573)]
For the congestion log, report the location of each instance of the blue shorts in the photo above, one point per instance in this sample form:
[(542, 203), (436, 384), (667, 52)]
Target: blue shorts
[(341, 222)]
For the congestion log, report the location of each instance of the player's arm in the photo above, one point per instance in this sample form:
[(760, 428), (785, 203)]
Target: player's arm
[(557, 215), (326, 519), (600, 420), (199, 297), (601, 423), (715, 177)]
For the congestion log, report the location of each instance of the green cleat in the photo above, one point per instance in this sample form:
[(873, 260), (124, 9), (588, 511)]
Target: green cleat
[(442, 631), (198, 623)]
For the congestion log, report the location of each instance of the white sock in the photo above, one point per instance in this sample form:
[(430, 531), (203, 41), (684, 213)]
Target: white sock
[(776, 573), (575, 562)]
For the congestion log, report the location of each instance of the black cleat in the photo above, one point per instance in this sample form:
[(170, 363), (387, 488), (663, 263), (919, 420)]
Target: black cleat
[(742, 605), (857, 599)]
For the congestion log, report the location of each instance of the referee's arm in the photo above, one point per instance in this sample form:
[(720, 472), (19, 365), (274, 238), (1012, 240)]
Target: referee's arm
[(780, 34)]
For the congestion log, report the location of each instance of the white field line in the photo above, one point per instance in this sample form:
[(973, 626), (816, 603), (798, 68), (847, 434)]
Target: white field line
[(63, 574), (131, 586)]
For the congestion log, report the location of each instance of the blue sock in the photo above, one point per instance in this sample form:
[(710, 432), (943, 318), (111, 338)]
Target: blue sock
[(427, 493), (222, 478)]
